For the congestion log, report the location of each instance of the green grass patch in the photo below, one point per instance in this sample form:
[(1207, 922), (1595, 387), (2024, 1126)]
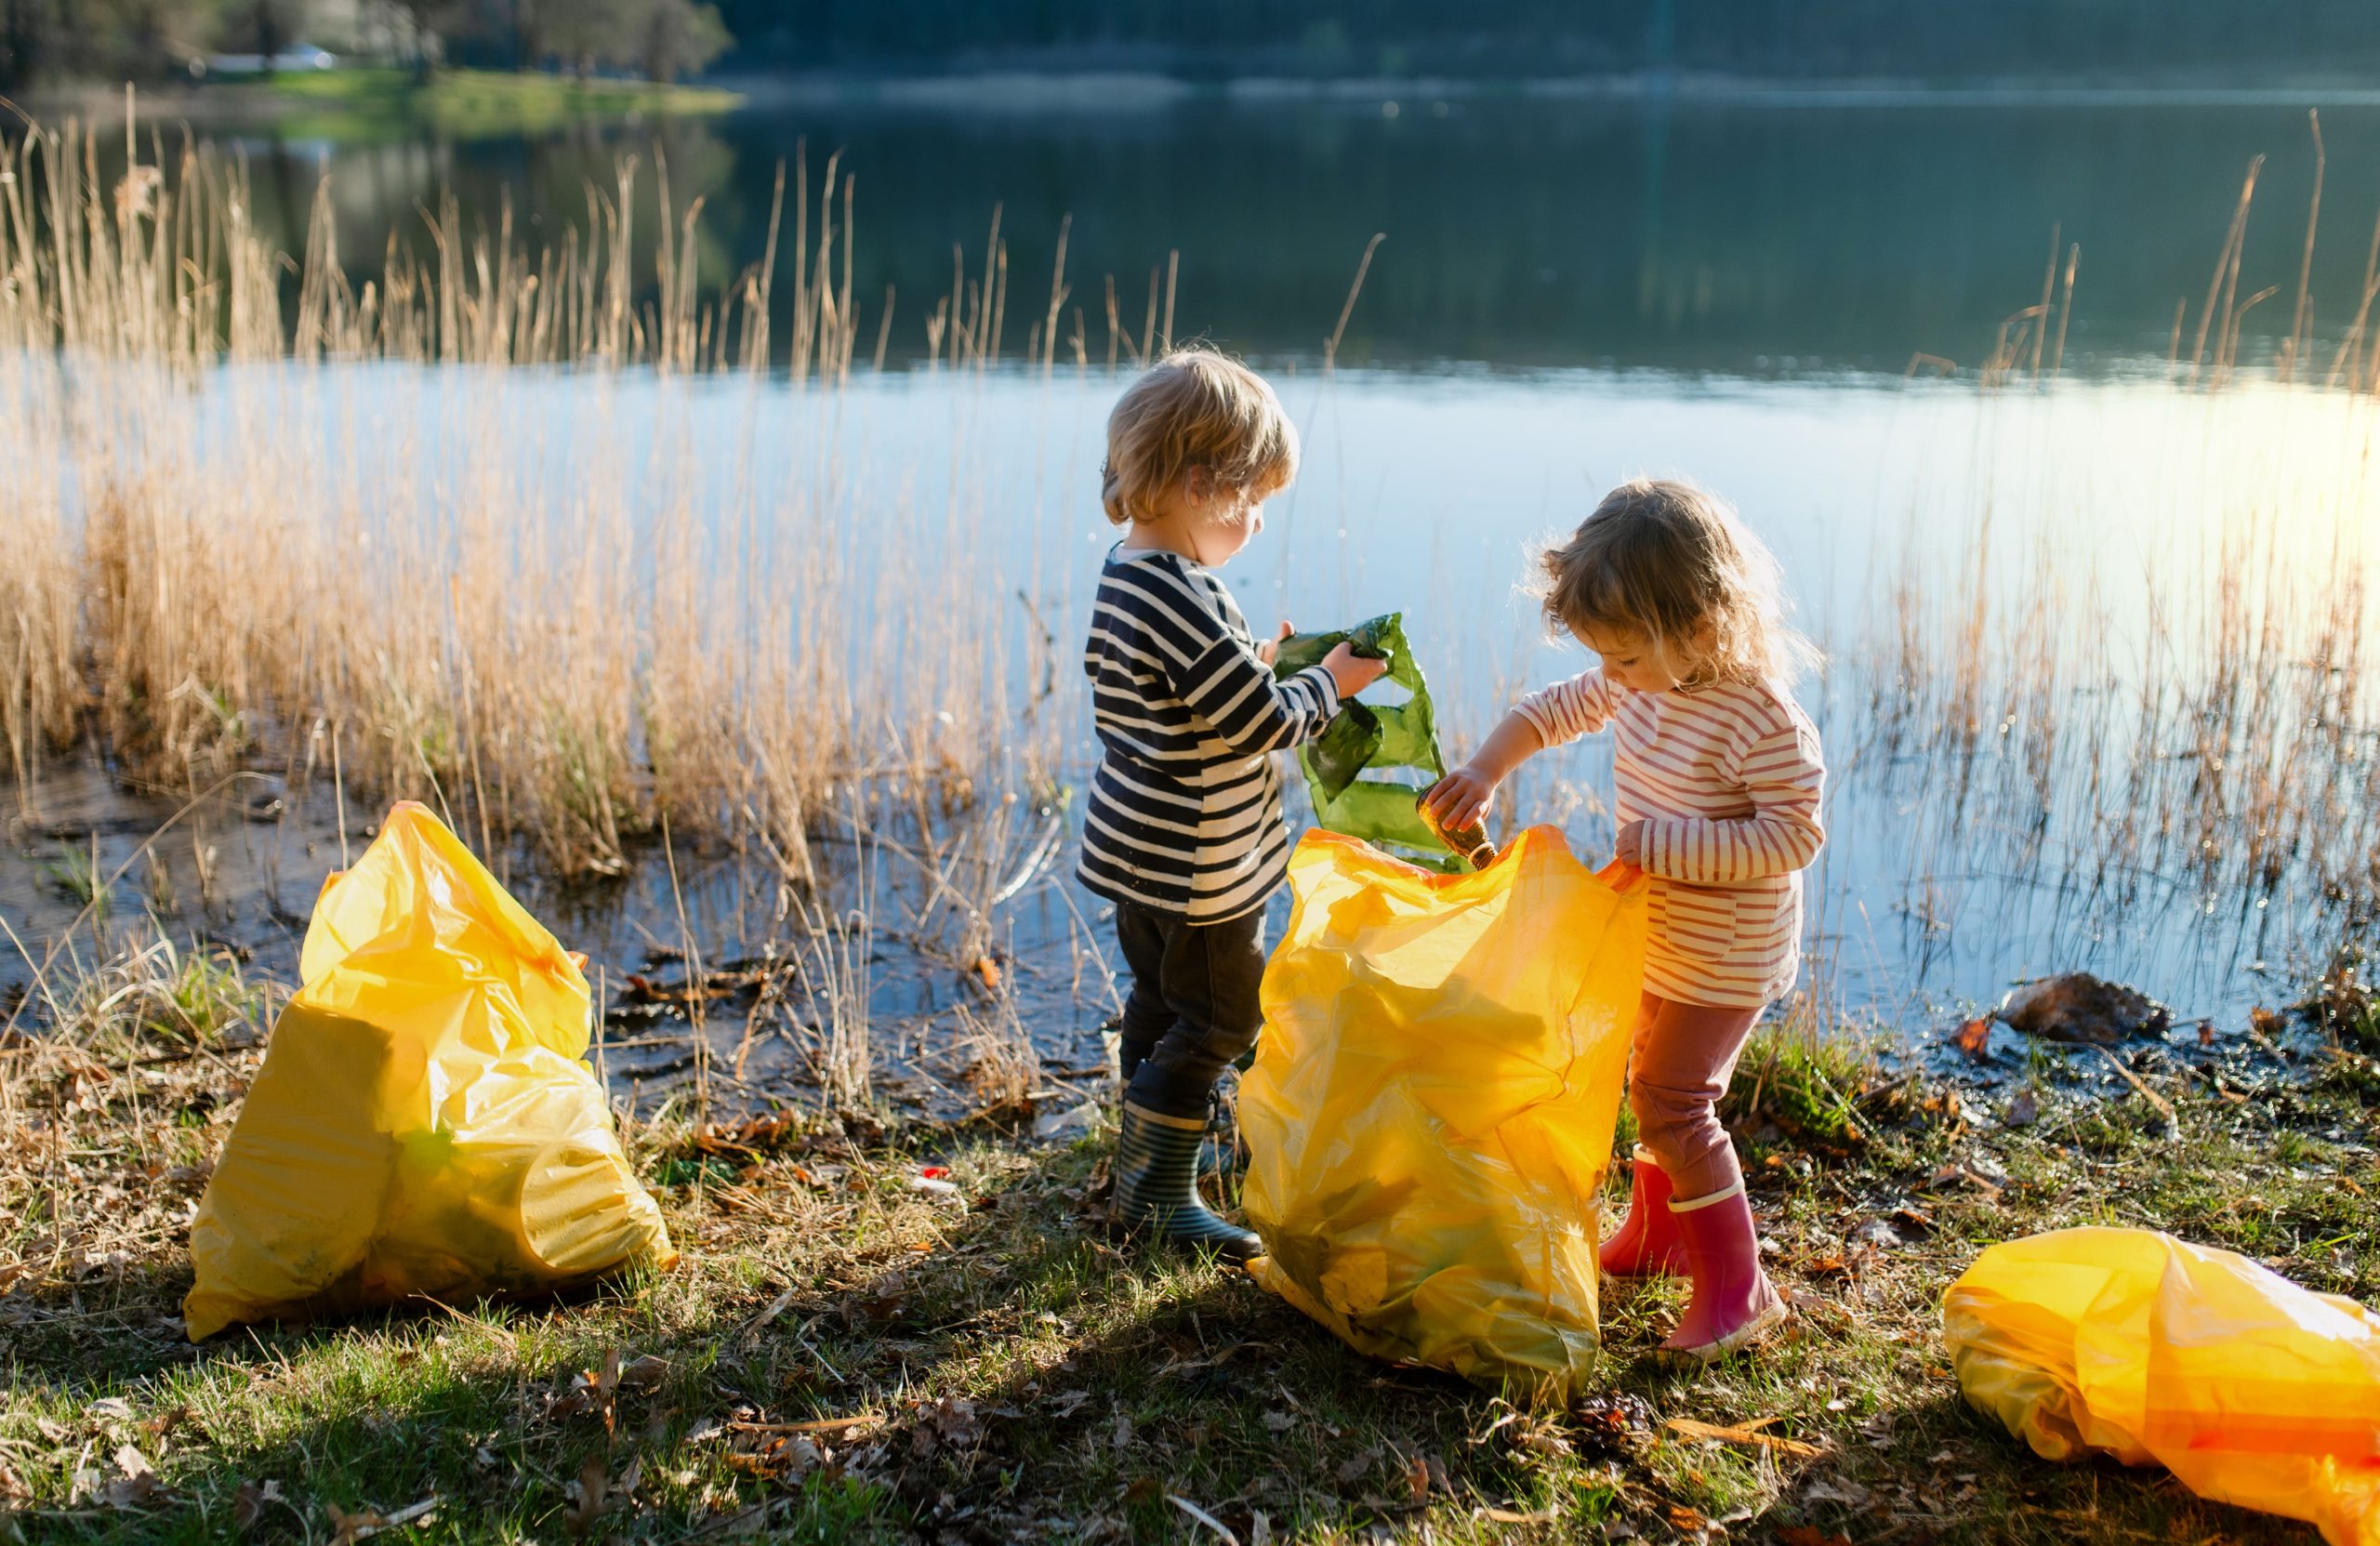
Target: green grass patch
[(365, 102), (843, 1357)]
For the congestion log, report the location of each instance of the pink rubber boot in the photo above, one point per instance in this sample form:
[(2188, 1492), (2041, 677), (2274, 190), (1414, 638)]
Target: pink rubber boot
[(1733, 1305), (1648, 1243)]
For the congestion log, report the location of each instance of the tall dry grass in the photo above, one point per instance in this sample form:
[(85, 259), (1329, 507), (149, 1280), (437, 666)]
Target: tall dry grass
[(261, 511), (2229, 748)]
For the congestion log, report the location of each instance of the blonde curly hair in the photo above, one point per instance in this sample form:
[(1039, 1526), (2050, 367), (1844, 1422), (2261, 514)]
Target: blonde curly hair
[(1664, 559), (1194, 408)]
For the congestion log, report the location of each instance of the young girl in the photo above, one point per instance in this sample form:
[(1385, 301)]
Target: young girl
[(1718, 779), (1182, 830)]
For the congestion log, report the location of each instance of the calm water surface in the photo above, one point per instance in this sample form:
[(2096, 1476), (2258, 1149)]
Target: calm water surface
[(1691, 235)]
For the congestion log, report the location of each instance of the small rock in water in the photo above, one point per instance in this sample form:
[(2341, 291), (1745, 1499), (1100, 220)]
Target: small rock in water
[(2076, 1006)]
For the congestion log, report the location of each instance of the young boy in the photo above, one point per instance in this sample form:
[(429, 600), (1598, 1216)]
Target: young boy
[(1184, 831)]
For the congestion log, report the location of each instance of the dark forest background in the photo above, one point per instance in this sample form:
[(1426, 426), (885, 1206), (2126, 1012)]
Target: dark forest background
[(2226, 42)]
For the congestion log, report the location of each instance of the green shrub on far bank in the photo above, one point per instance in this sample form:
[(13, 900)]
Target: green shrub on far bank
[(349, 103)]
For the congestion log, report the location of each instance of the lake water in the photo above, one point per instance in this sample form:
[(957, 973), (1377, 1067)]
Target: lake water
[(1736, 238), (2027, 595)]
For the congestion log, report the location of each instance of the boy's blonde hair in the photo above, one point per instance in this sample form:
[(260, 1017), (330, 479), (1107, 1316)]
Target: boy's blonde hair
[(1662, 558), (1194, 408)]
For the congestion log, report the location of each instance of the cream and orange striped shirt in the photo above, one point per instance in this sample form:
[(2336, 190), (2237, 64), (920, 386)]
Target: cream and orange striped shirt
[(1727, 779)]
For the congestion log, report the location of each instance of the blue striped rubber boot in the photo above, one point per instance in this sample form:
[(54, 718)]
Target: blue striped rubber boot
[(1156, 1185)]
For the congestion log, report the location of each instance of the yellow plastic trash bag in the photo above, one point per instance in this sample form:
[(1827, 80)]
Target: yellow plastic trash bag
[(422, 1123), (1431, 1110), (2250, 1389)]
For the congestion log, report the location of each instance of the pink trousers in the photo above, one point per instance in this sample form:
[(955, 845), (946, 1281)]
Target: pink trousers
[(1683, 1056)]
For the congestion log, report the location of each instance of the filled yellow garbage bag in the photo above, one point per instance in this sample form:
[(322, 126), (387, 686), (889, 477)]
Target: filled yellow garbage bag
[(1431, 1110), (2250, 1389), (422, 1123)]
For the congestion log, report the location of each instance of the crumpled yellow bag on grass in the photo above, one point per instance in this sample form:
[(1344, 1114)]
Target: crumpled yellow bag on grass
[(1431, 1110), (422, 1123), (2250, 1389)]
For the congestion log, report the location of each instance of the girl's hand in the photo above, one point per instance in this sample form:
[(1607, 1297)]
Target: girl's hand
[(1461, 798), (1350, 671), (1270, 651), (1630, 844)]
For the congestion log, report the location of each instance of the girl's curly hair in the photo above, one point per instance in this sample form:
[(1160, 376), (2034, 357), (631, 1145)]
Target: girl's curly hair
[(1664, 559)]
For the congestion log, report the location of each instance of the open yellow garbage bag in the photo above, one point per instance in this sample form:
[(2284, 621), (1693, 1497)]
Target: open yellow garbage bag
[(2250, 1389), (1431, 1110), (422, 1123)]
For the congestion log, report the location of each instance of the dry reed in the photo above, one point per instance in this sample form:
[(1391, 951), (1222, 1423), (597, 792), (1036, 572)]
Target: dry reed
[(342, 525)]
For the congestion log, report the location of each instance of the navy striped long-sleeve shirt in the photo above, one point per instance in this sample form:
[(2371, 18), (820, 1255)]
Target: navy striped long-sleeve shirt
[(1184, 814)]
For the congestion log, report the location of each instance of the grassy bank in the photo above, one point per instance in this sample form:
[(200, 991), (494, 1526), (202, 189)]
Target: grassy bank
[(333, 103), (368, 104), (844, 1356)]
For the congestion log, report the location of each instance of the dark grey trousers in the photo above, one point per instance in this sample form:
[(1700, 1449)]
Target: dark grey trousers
[(1193, 1006)]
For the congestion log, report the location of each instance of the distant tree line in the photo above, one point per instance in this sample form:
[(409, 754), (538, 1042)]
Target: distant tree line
[(1925, 38), (153, 39)]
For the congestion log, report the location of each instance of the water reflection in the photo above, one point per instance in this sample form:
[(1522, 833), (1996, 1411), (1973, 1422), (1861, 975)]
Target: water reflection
[(1691, 235)]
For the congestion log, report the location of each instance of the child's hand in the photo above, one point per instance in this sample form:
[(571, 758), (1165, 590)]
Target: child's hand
[(1270, 651), (1461, 798), (1350, 671), (1629, 846)]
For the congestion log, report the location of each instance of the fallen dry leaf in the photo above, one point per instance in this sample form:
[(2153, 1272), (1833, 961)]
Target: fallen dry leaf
[(249, 1503), (137, 1483), (1849, 1494), (1748, 1432), (643, 1373), (129, 1492), (1973, 1037), (1144, 1489), (162, 1425), (1514, 1516), (1805, 1535), (594, 1482)]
